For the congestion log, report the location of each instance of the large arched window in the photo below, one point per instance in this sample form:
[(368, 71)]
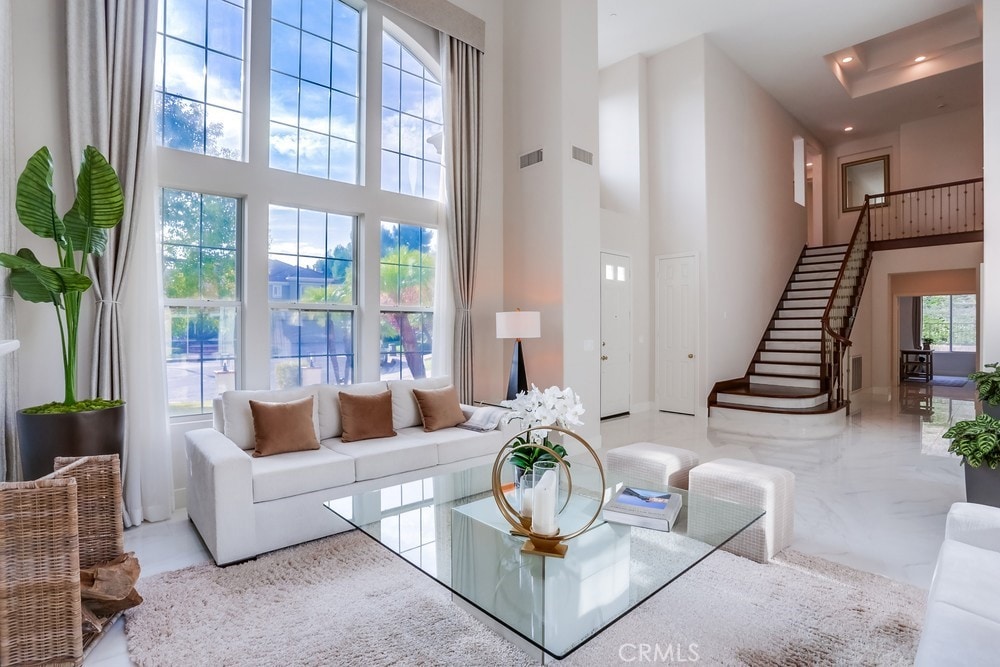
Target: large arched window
[(412, 130)]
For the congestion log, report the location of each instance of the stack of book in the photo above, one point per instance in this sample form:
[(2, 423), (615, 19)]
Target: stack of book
[(644, 508)]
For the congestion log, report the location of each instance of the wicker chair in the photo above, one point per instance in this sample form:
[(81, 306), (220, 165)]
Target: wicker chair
[(49, 529)]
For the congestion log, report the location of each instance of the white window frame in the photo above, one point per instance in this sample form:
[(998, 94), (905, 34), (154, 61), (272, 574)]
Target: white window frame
[(259, 186)]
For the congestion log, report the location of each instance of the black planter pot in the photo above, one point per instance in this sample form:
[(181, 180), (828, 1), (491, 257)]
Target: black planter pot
[(44, 437), (982, 485)]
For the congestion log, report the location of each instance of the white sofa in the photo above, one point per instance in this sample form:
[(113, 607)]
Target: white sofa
[(244, 506), (962, 625)]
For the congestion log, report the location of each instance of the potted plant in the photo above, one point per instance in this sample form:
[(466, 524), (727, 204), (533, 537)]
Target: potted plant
[(977, 441), (72, 427), (988, 386), (927, 342), (554, 406)]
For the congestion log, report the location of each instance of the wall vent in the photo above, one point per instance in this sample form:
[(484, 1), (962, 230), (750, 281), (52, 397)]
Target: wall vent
[(855, 374), (528, 159), (583, 156)]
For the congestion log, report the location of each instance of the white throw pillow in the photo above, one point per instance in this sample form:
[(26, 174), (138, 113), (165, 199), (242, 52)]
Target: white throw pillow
[(238, 420), (330, 425), (405, 411)]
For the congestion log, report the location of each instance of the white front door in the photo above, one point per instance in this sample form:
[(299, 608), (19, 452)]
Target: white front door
[(616, 334), (676, 333)]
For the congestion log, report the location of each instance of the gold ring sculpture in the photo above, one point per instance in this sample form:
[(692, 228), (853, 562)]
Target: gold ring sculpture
[(537, 543)]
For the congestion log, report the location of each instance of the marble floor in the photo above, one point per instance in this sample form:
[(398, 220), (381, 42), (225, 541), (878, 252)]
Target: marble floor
[(873, 497)]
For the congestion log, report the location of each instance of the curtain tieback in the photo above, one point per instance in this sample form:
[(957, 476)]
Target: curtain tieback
[(114, 302)]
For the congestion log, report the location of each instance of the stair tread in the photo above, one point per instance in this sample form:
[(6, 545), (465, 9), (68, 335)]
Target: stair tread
[(773, 391), (789, 363), (814, 410), (784, 375)]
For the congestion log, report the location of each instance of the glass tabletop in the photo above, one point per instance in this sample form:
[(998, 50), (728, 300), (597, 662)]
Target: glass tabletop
[(448, 526)]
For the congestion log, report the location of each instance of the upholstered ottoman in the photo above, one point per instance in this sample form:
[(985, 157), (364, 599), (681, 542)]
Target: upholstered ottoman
[(649, 463), (761, 486)]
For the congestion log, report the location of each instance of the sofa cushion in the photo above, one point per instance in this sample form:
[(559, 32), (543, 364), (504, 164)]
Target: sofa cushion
[(330, 425), (961, 580), (295, 473), (279, 428), (457, 444), (405, 412), (237, 419), (439, 408), (388, 456), (954, 637)]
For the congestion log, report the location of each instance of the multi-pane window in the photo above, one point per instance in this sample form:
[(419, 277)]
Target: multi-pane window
[(412, 130), (409, 254), (315, 92), (949, 321), (311, 281), (199, 76), (200, 267)]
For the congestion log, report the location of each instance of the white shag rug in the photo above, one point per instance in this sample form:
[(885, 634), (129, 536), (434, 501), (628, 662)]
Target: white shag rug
[(346, 601)]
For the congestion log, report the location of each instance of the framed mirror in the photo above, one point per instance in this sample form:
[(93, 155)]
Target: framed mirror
[(863, 177)]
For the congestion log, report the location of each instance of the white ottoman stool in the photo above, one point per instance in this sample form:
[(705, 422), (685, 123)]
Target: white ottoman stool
[(649, 463), (760, 486)]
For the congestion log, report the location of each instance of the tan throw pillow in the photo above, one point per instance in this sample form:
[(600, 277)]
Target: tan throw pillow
[(366, 416), (439, 408), (283, 427)]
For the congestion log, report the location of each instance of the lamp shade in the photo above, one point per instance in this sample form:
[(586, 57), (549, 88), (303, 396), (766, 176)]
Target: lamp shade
[(519, 324)]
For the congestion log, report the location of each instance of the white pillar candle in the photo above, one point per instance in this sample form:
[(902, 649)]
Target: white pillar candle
[(543, 521)]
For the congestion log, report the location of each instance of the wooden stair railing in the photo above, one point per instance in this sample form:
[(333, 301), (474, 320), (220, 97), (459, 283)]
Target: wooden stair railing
[(943, 213), (838, 318)]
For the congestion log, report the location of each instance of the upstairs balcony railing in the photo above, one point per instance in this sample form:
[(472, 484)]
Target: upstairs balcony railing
[(945, 213)]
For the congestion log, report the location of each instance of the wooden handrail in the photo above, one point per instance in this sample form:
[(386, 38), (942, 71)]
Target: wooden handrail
[(840, 274), (926, 187)]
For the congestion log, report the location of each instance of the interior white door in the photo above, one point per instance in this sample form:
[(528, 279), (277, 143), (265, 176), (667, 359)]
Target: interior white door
[(676, 333), (616, 334)]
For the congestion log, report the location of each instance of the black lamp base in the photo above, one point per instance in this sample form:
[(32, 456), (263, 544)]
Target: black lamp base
[(518, 380)]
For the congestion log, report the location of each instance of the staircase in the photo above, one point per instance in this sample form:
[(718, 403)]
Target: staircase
[(786, 375)]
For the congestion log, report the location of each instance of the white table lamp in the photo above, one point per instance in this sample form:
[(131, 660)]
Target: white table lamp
[(518, 324)]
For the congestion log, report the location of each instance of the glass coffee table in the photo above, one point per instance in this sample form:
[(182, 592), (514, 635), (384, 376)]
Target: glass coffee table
[(448, 526)]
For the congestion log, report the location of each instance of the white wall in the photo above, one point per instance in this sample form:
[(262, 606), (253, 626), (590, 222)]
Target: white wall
[(756, 231), (552, 209), (720, 165), (990, 347), (41, 119), (624, 172), (940, 149)]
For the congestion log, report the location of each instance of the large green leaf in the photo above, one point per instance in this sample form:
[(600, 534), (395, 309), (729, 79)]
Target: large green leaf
[(38, 283), (36, 200), (99, 204)]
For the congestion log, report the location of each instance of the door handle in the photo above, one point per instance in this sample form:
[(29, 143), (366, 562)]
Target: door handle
[(604, 357), (690, 356)]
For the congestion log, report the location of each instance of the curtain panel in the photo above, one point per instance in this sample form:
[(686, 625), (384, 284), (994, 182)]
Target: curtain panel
[(10, 465), (111, 48), (462, 68)]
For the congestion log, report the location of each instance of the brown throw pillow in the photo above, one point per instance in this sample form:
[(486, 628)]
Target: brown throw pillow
[(439, 408), (283, 427), (366, 416)]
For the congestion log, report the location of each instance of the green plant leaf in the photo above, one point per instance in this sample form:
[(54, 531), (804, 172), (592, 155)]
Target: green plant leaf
[(38, 283), (36, 200), (99, 204)]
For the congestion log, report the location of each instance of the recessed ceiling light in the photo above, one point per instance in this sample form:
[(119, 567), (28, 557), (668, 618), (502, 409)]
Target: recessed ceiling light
[(849, 128), (847, 59), (809, 164), (920, 59)]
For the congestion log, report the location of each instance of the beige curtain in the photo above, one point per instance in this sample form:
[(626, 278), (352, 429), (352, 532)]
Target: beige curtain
[(461, 64), (111, 46), (10, 464)]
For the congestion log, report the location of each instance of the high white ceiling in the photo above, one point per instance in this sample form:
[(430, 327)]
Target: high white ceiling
[(781, 44)]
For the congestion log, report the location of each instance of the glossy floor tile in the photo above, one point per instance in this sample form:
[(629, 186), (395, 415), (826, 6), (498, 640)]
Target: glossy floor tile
[(873, 497)]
